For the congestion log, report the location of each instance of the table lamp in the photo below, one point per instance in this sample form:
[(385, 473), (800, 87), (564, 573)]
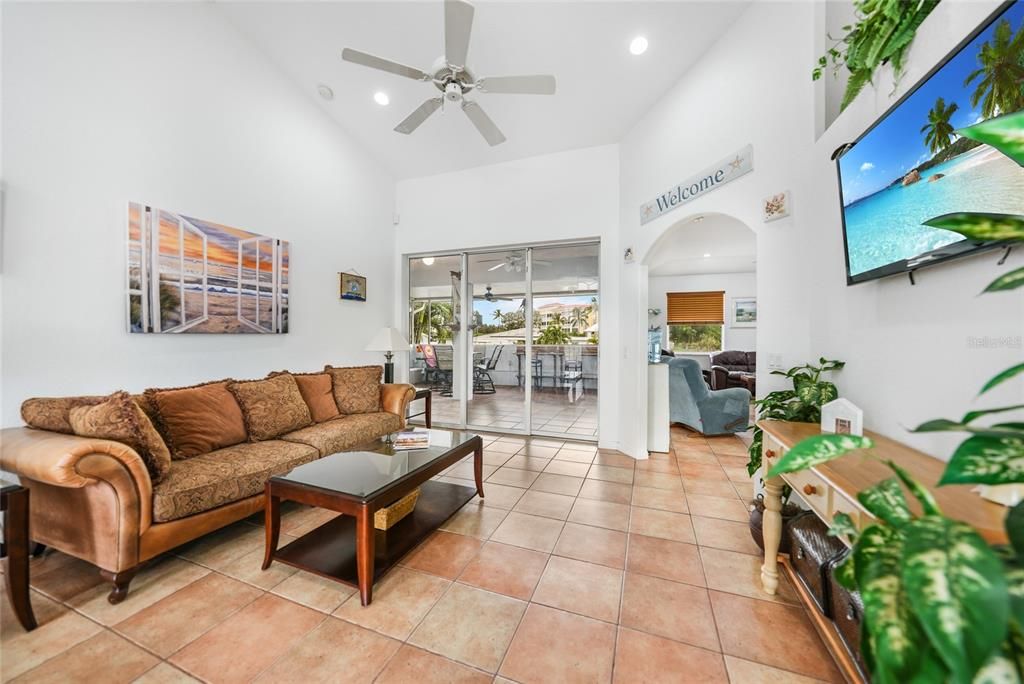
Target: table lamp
[(388, 340)]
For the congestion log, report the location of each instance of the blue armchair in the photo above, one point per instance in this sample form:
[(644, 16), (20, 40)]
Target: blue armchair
[(709, 412)]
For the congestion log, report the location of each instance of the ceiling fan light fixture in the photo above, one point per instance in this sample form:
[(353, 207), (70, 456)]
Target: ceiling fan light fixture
[(381, 98), (638, 45)]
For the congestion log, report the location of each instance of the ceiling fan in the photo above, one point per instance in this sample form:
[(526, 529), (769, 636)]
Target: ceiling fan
[(513, 262), (453, 78), (489, 296)]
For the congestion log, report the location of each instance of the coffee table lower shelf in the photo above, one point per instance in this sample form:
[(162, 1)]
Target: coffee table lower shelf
[(330, 550)]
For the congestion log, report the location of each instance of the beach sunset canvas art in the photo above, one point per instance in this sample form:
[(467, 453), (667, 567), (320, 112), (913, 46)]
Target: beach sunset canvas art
[(187, 275)]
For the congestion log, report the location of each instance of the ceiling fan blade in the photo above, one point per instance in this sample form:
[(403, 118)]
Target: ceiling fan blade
[(413, 121), (357, 57), (483, 123), (520, 85), (458, 22), (495, 268)]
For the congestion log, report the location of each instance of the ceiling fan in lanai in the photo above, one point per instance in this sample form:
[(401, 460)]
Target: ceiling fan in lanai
[(454, 79)]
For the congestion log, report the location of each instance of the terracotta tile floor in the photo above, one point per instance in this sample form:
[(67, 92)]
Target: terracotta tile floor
[(606, 570)]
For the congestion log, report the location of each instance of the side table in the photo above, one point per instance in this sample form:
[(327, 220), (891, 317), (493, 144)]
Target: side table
[(425, 394), (14, 504)]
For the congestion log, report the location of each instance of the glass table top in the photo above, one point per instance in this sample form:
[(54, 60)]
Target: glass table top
[(364, 473)]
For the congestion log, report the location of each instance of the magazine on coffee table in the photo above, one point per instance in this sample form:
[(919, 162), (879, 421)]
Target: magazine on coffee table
[(411, 439)]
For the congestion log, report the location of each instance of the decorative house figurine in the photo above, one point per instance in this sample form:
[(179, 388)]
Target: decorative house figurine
[(842, 416)]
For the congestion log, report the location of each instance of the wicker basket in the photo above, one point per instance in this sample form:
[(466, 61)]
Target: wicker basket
[(386, 518)]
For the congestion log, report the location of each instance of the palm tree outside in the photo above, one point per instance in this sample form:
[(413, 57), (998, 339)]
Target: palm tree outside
[(1001, 88), (938, 131)]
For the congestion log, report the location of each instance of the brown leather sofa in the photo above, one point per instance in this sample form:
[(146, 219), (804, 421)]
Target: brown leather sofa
[(733, 369), (95, 499)]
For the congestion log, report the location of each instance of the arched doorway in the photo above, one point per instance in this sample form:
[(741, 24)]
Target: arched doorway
[(706, 252)]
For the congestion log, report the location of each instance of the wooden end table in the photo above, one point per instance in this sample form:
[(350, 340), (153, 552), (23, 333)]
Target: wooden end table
[(426, 395), (14, 504), (358, 483)]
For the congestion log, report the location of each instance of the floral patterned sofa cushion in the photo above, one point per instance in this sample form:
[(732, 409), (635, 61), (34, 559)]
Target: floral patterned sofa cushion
[(204, 482), (271, 407), (356, 389), (345, 432)]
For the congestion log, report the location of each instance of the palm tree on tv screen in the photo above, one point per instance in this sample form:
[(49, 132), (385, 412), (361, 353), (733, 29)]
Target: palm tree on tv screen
[(939, 130), (1001, 88)]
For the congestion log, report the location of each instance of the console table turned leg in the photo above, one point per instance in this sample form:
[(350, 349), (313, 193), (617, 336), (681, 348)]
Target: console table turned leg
[(772, 532), (120, 580)]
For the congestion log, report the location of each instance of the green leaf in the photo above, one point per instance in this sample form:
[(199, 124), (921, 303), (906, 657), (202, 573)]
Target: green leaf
[(1006, 664), (894, 635), (886, 502), (981, 226), (1014, 524), (987, 459), (842, 526), (945, 425), (1015, 586), (1007, 281), (974, 415), (818, 449), (844, 572), (1003, 377), (956, 587), (1003, 133), (928, 503)]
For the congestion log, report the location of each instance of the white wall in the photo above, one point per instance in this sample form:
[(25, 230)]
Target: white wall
[(166, 104), (564, 196), (734, 285), (907, 348)]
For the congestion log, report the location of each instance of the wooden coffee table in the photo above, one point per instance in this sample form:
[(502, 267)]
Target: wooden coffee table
[(358, 483)]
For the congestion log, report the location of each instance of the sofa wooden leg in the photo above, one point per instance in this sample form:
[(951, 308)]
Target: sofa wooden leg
[(120, 580)]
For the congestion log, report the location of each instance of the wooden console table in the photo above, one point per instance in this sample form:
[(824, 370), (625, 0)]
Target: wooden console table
[(832, 487)]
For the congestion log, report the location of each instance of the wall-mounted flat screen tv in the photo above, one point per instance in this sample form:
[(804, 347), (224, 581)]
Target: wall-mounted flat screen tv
[(915, 164)]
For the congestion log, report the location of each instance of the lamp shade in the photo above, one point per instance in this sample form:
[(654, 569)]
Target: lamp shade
[(387, 340)]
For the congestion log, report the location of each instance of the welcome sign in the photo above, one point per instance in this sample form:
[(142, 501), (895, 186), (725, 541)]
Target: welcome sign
[(728, 169)]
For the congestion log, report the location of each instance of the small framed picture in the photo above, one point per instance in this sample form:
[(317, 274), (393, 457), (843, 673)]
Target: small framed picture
[(352, 287), (775, 207), (744, 312)]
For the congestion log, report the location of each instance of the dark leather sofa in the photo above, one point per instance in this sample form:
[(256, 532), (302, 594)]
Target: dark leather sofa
[(730, 368)]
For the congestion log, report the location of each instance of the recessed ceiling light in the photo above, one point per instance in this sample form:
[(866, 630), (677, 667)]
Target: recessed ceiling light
[(381, 98), (707, 256), (427, 261), (638, 46), (698, 219), (325, 92)]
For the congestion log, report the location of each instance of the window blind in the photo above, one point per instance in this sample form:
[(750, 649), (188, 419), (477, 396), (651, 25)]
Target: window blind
[(689, 308)]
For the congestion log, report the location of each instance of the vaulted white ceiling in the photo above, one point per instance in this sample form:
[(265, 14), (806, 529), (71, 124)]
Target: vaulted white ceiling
[(602, 89)]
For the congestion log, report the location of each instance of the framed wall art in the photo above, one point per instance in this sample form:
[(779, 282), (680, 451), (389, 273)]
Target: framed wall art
[(352, 286)]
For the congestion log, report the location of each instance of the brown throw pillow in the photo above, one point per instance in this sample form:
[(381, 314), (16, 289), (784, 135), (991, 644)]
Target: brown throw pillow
[(52, 413), (197, 420), (318, 392), (121, 419), (271, 407), (356, 389)]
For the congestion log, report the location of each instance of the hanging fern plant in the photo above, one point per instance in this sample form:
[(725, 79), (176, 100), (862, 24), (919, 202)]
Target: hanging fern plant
[(882, 34)]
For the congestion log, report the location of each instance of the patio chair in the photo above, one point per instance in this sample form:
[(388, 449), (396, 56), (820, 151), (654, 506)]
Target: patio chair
[(439, 378), (445, 365), (572, 367), (483, 383)]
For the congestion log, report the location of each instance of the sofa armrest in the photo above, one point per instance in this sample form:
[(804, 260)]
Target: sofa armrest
[(69, 461), (395, 398)]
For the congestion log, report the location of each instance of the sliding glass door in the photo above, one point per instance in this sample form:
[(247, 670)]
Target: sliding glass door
[(507, 339)]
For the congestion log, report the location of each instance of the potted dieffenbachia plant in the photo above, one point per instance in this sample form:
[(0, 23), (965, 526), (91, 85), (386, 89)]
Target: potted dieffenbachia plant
[(940, 604)]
